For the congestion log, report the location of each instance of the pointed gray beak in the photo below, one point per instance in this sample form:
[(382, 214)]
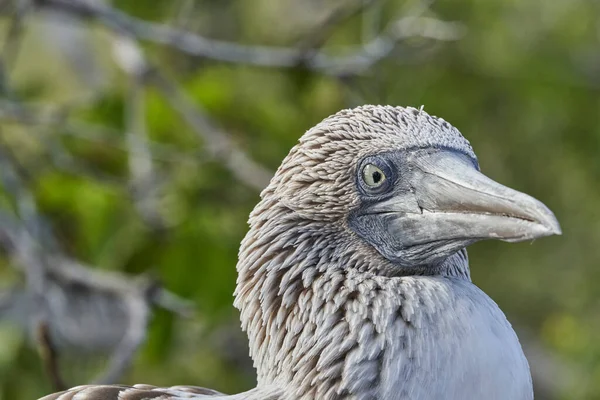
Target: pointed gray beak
[(442, 203), (457, 202)]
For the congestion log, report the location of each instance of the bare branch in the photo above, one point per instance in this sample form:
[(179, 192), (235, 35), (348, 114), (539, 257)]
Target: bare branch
[(59, 313), (173, 303), (135, 334), (321, 34), (24, 114), (143, 179), (49, 355), (12, 42), (217, 142), (69, 37), (85, 308), (356, 60)]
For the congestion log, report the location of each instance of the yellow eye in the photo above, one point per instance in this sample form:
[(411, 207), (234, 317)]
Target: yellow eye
[(373, 176)]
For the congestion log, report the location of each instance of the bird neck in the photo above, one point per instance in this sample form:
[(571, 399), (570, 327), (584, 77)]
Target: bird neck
[(293, 277)]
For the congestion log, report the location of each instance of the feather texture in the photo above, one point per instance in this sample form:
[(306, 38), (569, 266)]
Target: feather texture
[(327, 316), (149, 392)]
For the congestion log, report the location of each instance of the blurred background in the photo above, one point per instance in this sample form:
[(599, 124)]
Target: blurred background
[(135, 137)]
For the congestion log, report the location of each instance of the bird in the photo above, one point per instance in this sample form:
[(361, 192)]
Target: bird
[(353, 279)]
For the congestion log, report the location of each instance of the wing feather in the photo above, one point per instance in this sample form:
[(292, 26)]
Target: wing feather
[(136, 392)]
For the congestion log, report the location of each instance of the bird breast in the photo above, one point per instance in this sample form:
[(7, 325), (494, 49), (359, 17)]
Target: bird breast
[(452, 343), (404, 338)]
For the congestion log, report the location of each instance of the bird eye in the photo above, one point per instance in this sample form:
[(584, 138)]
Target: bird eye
[(373, 176)]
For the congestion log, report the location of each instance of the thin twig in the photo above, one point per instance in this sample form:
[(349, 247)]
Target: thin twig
[(49, 356), (143, 179), (319, 36), (12, 43)]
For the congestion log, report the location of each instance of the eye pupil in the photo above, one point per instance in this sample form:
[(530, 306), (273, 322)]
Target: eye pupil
[(373, 176), (377, 176)]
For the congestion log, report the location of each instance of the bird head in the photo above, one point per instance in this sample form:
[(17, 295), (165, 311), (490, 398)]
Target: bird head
[(406, 183)]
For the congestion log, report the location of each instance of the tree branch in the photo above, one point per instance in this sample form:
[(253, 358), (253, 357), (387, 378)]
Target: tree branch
[(49, 356), (217, 142), (356, 60)]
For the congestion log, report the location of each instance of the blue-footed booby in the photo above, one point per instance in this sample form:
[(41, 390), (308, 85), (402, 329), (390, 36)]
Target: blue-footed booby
[(353, 279)]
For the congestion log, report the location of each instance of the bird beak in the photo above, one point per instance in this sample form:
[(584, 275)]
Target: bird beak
[(451, 202)]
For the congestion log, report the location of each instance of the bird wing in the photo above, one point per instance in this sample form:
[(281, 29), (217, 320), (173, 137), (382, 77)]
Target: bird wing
[(135, 392), (149, 392)]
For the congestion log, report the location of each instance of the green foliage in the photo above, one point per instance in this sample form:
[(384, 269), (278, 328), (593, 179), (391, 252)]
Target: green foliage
[(521, 85)]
